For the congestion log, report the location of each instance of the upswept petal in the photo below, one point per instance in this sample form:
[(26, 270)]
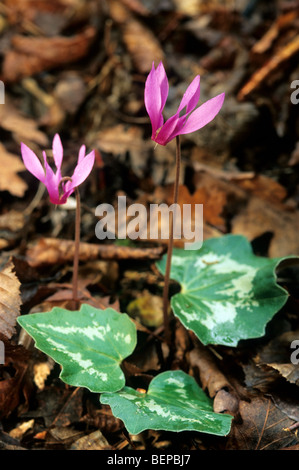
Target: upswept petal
[(52, 182), (82, 170), (57, 151), (163, 84), (32, 163), (191, 96), (155, 95), (203, 115), (81, 153)]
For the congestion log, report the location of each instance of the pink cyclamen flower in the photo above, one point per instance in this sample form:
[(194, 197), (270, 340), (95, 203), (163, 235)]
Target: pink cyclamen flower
[(155, 96), (58, 188)]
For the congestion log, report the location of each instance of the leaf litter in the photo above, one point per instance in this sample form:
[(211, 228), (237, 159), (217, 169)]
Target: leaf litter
[(243, 169)]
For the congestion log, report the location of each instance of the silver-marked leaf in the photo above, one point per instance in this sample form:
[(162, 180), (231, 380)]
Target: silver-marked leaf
[(227, 293), (173, 402), (89, 344)]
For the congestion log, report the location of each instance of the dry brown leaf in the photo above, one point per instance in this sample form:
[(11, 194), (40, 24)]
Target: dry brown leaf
[(41, 371), (10, 385), (260, 217), (263, 427), (140, 41), (29, 9), (22, 126), (119, 139), (93, 441), (31, 55), (10, 300), (277, 355), (9, 179), (289, 371), (12, 224), (263, 187), (212, 197), (19, 431)]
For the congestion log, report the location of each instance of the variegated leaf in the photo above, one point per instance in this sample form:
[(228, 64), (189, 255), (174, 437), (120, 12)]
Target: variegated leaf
[(173, 402), (227, 293), (90, 344)]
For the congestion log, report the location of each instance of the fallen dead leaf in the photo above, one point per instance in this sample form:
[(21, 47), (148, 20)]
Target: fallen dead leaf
[(263, 187), (30, 55), (10, 300), (19, 431), (260, 217), (11, 165), (93, 441), (41, 371), (22, 126), (12, 223), (11, 383), (262, 427), (276, 354), (140, 41)]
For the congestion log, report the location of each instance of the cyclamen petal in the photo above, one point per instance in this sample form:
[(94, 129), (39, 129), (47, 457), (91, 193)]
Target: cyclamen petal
[(57, 151), (32, 163), (155, 95), (52, 184), (81, 153), (203, 115), (82, 170), (191, 96)]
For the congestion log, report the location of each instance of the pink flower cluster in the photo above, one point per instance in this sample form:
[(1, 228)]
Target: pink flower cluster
[(155, 96)]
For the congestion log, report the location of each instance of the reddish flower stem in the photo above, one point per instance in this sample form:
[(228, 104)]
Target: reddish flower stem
[(77, 245), (170, 243), (77, 239)]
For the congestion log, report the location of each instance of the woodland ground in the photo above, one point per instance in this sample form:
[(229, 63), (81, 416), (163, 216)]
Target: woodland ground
[(78, 68)]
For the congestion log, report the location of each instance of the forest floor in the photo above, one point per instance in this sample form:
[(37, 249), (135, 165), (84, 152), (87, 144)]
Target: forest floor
[(78, 69)]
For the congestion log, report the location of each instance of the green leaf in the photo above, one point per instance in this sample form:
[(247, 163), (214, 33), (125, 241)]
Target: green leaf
[(89, 344), (227, 293), (173, 402)]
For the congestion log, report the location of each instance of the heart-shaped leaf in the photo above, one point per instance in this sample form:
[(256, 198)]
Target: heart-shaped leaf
[(89, 344), (227, 293), (173, 402)]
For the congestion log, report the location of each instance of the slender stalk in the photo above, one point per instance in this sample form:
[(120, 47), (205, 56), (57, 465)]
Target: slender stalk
[(77, 239), (170, 243), (77, 245)]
